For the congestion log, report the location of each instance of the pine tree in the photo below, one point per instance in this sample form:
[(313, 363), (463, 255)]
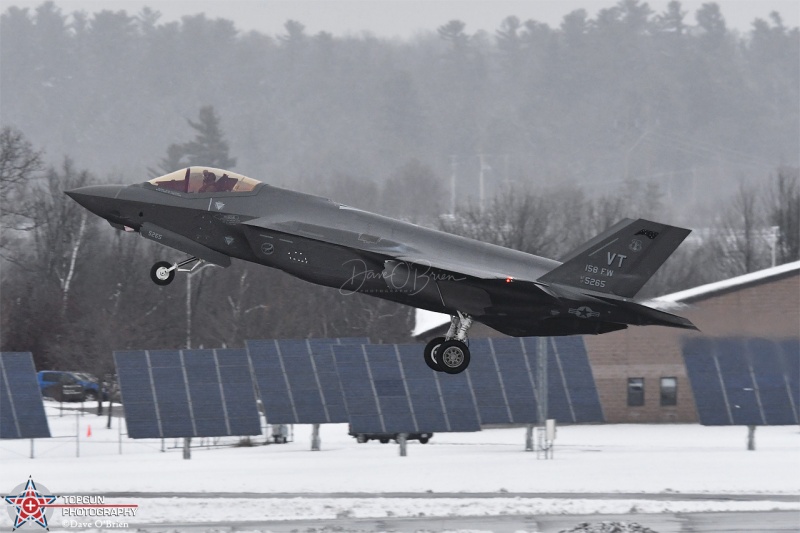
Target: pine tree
[(208, 148)]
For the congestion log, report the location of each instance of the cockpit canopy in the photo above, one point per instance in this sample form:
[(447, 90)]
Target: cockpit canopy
[(204, 180)]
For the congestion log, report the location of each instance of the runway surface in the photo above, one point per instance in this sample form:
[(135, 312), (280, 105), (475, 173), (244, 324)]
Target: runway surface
[(751, 522), (666, 522)]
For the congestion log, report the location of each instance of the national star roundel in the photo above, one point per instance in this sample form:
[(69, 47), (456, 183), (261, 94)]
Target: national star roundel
[(30, 504)]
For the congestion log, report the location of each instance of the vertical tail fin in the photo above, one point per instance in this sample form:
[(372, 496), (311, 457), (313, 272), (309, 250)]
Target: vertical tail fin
[(620, 260)]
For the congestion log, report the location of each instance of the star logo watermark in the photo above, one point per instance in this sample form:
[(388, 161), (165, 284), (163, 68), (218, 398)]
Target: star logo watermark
[(30, 505)]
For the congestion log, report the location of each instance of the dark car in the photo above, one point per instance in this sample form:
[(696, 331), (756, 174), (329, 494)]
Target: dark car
[(386, 437), (61, 386), (91, 386)]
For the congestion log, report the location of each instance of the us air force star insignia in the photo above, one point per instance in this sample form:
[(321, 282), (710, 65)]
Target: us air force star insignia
[(635, 245), (584, 312), (219, 205), (228, 240)]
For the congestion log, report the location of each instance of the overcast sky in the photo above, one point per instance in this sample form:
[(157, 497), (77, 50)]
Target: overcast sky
[(404, 18)]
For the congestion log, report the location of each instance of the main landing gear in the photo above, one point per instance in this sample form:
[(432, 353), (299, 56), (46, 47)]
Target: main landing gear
[(163, 272), (450, 353)]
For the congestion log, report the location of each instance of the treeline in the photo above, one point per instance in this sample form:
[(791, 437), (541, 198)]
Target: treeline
[(672, 97), (564, 130)]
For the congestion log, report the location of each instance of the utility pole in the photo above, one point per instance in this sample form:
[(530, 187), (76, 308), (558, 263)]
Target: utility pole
[(453, 169), (189, 275), (541, 394), (481, 184)]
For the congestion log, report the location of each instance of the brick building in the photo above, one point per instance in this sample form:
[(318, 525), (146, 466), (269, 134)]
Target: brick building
[(640, 372)]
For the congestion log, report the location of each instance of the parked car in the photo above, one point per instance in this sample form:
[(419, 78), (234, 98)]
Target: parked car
[(386, 437), (91, 386), (61, 386)]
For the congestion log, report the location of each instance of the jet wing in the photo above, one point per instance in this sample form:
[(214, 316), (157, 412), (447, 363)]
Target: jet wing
[(386, 247)]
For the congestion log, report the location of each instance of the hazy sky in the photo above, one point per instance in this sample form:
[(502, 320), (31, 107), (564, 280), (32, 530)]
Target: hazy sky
[(404, 18)]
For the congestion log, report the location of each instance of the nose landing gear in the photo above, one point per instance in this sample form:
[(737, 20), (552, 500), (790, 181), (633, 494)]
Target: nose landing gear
[(163, 272), (450, 354)]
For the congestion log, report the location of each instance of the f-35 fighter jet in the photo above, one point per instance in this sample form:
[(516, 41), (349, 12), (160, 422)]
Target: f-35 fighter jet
[(213, 215)]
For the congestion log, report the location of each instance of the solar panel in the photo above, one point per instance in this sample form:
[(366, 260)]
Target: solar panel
[(503, 375), (287, 381), (22, 413), (743, 381), (771, 382), (190, 393), (389, 389), (330, 387), (706, 383)]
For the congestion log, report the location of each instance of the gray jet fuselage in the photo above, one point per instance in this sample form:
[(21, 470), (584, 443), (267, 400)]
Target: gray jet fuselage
[(352, 250)]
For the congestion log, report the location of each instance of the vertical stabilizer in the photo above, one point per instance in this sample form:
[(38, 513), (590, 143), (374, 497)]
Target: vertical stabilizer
[(620, 260)]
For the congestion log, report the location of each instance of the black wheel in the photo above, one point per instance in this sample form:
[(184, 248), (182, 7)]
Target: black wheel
[(430, 353), (423, 440), (162, 273), (384, 440), (453, 357), (361, 439)]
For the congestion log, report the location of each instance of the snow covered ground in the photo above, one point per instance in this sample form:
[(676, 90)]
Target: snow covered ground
[(593, 466)]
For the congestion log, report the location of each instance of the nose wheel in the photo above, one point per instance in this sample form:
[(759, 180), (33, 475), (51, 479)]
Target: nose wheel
[(163, 272), (450, 354)]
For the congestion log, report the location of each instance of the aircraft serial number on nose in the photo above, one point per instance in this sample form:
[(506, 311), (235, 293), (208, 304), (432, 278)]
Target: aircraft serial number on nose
[(154, 235)]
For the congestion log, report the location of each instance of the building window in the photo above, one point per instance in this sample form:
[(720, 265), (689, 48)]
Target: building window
[(635, 392), (669, 391)]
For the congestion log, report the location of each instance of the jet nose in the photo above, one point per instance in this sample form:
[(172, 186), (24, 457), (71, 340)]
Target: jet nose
[(99, 199)]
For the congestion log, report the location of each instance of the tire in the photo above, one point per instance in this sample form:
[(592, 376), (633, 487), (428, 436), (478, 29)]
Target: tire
[(384, 440), (430, 353), (361, 439), (423, 440), (161, 273), (453, 357)]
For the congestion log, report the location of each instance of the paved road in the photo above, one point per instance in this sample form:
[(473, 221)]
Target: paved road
[(749, 522)]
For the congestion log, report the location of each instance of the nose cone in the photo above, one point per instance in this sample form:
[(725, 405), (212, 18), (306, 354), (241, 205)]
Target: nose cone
[(99, 199)]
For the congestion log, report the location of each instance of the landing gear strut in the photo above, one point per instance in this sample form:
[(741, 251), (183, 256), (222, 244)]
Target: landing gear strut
[(163, 272), (450, 354)]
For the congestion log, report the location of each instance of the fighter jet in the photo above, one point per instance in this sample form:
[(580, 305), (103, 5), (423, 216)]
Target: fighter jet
[(214, 215)]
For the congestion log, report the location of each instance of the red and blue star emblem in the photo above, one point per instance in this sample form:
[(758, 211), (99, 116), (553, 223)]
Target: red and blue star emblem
[(30, 505)]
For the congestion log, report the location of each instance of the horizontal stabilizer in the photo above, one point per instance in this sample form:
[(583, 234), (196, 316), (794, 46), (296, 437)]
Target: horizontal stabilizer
[(620, 260)]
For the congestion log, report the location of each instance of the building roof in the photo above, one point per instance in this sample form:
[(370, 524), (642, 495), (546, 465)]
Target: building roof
[(739, 282), (425, 321)]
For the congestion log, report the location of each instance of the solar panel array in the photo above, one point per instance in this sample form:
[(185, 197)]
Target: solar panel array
[(503, 374), (739, 381), (388, 388), (21, 409), (377, 388), (189, 393)]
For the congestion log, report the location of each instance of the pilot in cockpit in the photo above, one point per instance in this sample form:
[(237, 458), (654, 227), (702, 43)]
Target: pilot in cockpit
[(209, 179)]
